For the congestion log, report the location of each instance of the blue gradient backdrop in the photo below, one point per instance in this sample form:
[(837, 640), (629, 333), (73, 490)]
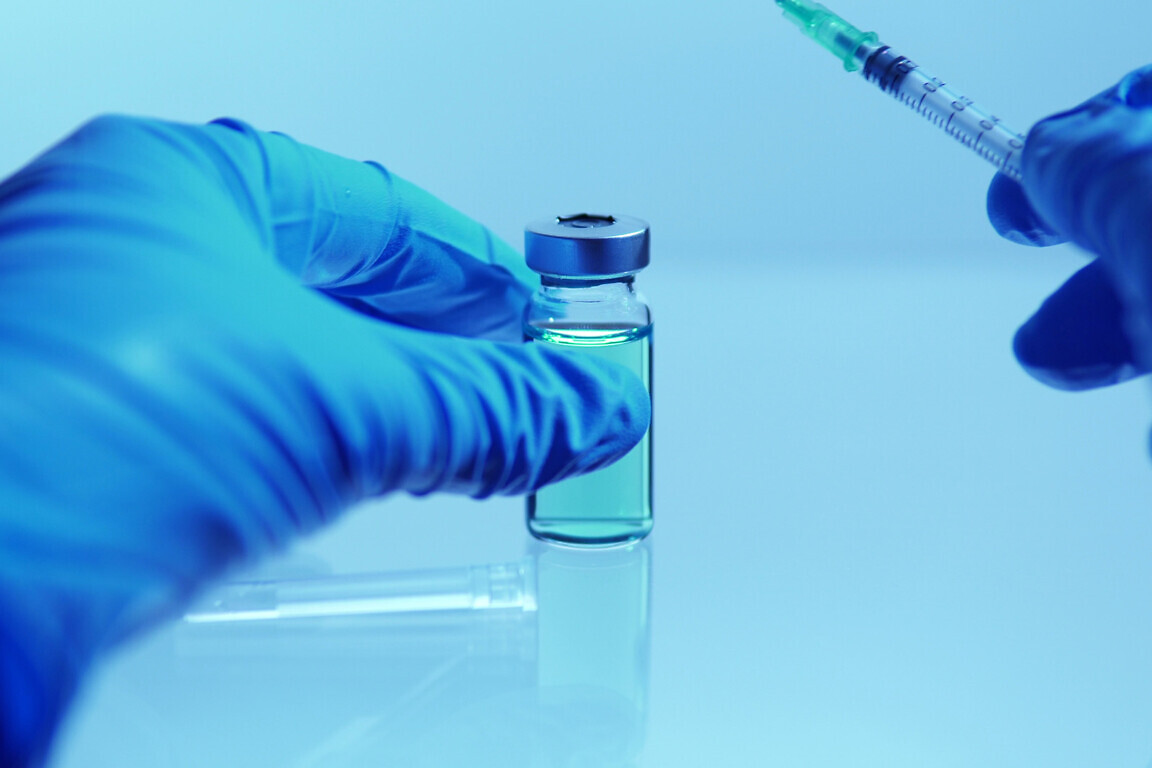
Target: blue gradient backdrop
[(878, 543)]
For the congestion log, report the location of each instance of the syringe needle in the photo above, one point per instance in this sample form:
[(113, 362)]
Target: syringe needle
[(829, 30)]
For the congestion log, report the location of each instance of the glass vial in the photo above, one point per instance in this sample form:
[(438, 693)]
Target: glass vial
[(587, 304)]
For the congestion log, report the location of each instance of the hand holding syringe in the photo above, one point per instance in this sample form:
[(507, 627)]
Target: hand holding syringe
[(1089, 182), (897, 75)]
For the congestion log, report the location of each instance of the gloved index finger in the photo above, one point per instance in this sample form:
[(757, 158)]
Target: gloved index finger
[(381, 244), (1014, 218)]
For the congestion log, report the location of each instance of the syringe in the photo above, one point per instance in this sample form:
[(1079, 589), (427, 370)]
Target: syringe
[(898, 75), (495, 587)]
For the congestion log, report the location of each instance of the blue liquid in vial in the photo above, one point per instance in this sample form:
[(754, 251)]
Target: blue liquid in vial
[(612, 505)]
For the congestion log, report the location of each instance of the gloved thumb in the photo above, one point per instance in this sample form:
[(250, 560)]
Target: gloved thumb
[(398, 408), (1077, 339), (1014, 218)]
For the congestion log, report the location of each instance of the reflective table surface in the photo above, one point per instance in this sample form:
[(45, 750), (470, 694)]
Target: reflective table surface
[(878, 543)]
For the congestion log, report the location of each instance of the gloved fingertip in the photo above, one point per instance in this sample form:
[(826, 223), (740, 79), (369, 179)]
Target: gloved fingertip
[(1013, 217), (606, 412), (634, 414), (1135, 89), (639, 401), (1069, 378), (1077, 339)]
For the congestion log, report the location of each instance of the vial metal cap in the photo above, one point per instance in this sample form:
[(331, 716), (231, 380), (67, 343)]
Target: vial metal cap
[(587, 245)]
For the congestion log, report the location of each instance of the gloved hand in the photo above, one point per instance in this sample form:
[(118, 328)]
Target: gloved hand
[(213, 340), (1088, 179)]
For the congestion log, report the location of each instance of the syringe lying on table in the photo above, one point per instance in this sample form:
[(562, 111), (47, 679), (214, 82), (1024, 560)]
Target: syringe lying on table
[(901, 77), (495, 587)]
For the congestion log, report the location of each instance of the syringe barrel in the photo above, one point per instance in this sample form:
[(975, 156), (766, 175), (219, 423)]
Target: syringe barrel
[(949, 110)]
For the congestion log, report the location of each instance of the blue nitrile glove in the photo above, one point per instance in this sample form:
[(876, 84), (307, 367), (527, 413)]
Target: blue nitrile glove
[(1088, 179), (214, 339)]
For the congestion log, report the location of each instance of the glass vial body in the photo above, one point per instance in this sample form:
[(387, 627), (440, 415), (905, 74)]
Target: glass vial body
[(604, 317)]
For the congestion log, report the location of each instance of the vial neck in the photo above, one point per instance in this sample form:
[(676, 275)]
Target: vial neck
[(556, 281), (594, 302)]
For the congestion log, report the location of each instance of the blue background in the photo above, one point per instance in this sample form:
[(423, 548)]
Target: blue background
[(717, 122), (878, 542)]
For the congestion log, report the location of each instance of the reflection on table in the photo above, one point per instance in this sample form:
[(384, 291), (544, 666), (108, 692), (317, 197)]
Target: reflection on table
[(538, 662)]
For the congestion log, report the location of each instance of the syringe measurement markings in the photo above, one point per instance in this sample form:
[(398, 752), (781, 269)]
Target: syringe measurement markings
[(960, 133), (1013, 173), (960, 136), (956, 132), (930, 114), (938, 119), (963, 138), (991, 156), (959, 103)]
